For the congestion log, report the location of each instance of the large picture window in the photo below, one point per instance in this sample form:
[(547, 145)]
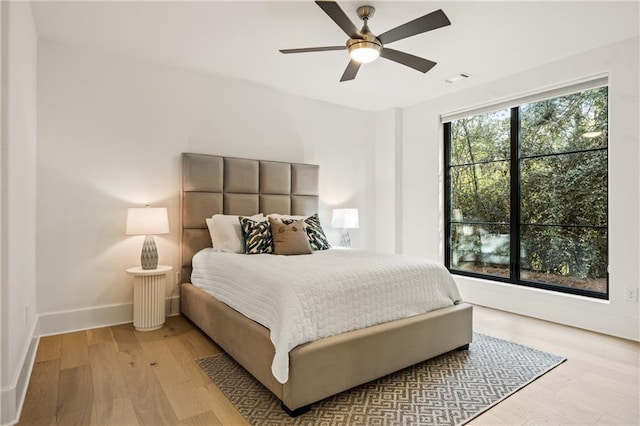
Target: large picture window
[(526, 194)]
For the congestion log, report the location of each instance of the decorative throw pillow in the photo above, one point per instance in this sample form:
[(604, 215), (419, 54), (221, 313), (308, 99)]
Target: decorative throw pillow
[(226, 235), (289, 238), (317, 238), (257, 236)]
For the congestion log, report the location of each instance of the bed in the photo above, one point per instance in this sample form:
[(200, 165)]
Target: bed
[(316, 369)]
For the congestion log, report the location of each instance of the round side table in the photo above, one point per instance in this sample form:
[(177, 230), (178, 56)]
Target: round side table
[(149, 297)]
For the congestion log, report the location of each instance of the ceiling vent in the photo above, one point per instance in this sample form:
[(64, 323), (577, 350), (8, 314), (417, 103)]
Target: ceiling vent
[(458, 77)]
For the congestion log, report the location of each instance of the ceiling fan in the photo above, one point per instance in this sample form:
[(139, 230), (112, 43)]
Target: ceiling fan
[(364, 46)]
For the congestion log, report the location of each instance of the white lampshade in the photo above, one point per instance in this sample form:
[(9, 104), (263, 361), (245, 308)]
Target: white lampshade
[(345, 218), (147, 221)]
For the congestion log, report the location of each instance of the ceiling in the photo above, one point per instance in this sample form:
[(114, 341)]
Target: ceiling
[(240, 39)]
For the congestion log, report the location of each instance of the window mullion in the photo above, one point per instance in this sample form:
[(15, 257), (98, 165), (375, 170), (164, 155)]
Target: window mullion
[(447, 194), (515, 196)]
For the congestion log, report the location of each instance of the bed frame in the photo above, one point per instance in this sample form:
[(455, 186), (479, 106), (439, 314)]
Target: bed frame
[(213, 184)]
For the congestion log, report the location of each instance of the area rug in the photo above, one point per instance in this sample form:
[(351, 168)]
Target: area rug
[(450, 389)]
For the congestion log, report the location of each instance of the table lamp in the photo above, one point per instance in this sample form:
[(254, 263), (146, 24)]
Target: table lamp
[(148, 221), (345, 219)]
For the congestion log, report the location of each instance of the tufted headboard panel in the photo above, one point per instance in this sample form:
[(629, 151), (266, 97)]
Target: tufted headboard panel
[(225, 185)]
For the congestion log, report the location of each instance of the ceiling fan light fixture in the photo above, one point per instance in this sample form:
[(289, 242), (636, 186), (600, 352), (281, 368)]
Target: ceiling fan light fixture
[(364, 51)]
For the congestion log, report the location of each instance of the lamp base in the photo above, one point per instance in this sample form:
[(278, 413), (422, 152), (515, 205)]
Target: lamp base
[(149, 255), (345, 239)]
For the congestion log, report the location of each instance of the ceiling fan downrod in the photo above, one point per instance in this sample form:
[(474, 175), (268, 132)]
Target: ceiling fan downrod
[(367, 48)]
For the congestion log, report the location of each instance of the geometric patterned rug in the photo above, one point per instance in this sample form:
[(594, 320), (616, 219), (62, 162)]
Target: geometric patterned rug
[(450, 389)]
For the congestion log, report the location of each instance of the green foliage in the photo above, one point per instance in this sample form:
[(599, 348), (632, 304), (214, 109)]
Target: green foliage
[(563, 182), (480, 148)]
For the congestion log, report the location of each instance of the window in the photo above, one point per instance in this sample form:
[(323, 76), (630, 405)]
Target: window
[(526, 194)]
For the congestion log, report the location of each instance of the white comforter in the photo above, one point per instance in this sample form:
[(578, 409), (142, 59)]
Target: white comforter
[(308, 297)]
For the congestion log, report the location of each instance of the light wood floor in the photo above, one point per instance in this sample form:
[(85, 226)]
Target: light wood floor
[(117, 376)]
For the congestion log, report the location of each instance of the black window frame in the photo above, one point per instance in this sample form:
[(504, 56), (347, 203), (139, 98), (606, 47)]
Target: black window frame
[(515, 221)]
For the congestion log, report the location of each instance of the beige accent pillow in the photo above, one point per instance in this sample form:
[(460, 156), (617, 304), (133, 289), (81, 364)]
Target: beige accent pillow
[(289, 239)]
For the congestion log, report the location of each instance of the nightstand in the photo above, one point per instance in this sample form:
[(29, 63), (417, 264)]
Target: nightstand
[(149, 297)]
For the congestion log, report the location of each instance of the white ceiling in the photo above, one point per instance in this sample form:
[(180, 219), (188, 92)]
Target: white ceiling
[(241, 39)]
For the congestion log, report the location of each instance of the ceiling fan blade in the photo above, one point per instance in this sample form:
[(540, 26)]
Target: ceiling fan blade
[(431, 21), (351, 71), (313, 49), (334, 11), (415, 62)]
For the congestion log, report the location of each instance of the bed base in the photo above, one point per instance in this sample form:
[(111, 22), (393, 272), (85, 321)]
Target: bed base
[(303, 410), (334, 364)]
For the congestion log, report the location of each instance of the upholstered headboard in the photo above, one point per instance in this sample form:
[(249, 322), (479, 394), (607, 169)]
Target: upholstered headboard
[(213, 185)]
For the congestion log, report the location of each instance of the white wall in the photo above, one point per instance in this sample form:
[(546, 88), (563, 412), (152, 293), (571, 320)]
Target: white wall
[(388, 181), (423, 185), (110, 133), (18, 203)]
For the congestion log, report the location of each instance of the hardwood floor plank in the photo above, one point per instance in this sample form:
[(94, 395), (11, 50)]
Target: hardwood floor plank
[(49, 348), (114, 412), (75, 396), (606, 403), (150, 337), (40, 404), (186, 354), (183, 396), (99, 335), (180, 326), (570, 409), (74, 351), (179, 335), (617, 389), (503, 417), (176, 325), (208, 418), (147, 396), (203, 345), (538, 413), (108, 380)]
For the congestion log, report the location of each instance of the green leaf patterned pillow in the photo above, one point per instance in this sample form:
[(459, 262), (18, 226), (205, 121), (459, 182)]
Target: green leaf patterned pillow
[(257, 236), (317, 239)]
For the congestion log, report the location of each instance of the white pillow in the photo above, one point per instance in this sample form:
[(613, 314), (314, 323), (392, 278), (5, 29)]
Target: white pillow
[(226, 234)]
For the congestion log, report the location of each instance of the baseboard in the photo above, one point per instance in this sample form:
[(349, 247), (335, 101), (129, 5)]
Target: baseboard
[(84, 319), (12, 396), (98, 316)]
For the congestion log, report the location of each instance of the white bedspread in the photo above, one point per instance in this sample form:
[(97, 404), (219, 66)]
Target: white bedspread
[(308, 297)]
